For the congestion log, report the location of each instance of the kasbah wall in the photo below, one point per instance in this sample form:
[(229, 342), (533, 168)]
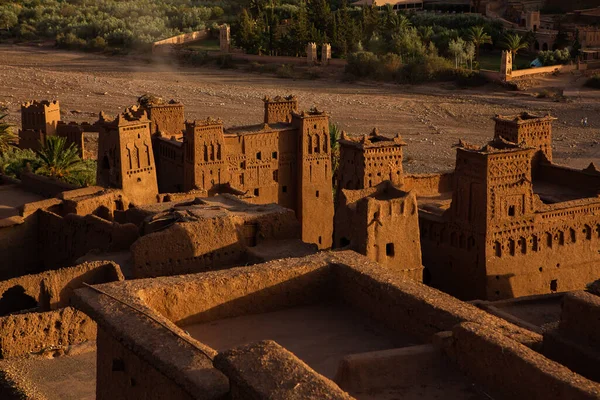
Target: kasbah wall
[(501, 235), (510, 229), (285, 160)]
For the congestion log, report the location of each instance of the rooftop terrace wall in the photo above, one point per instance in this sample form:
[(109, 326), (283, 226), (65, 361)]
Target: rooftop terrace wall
[(142, 314)]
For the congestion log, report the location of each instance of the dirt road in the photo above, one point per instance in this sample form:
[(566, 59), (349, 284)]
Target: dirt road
[(431, 118)]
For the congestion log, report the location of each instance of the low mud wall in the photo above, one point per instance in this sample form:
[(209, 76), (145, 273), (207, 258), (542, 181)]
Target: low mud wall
[(516, 371), (44, 186), (53, 289), (569, 177), (531, 72), (122, 375), (410, 307), (576, 341), (237, 291), (281, 376), (64, 240), (22, 334), (580, 318), (428, 184), (19, 247)]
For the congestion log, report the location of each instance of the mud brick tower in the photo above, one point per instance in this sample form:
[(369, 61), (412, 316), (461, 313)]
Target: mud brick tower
[(125, 157), (367, 161), (315, 197), (529, 130), (38, 121)]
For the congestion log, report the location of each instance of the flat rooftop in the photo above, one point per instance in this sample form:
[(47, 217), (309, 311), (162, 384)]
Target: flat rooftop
[(258, 128), (320, 335), (536, 313), (211, 207), (322, 308), (12, 196)]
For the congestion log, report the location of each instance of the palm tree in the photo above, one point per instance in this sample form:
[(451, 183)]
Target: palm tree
[(514, 42), (57, 160), (478, 36), (426, 33), (7, 138)]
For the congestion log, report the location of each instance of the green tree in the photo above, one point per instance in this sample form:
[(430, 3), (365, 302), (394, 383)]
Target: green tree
[(8, 18), (426, 33), (370, 22), (246, 35), (57, 160), (457, 49), (319, 15), (514, 43), (7, 137), (300, 31), (478, 36)]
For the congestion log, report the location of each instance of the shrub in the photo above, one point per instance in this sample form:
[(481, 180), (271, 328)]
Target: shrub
[(285, 71), (430, 68), (389, 66), (593, 82), (97, 44), (313, 73), (70, 41), (363, 64), (554, 57), (225, 61), (14, 161), (198, 57)]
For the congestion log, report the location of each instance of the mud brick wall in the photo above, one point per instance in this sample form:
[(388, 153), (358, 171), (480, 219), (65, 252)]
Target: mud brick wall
[(281, 376), (122, 375), (19, 247), (580, 318), (408, 306), (63, 240), (53, 289), (22, 334), (44, 186), (564, 176), (514, 370), (576, 341), (428, 184), (238, 291)]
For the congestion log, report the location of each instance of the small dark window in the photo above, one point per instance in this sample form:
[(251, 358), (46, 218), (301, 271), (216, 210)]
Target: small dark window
[(320, 240), (274, 155), (389, 249), (317, 193), (276, 175), (256, 192), (259, 156), (118, 365), (284, 189), (554, 285), (511, 211)]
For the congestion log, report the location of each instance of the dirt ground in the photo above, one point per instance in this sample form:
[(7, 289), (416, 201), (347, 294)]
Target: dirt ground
[(431, 118), (69, 377)]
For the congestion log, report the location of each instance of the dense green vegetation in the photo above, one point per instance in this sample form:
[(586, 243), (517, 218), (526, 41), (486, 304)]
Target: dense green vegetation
[(55, 160), (379, 43), (97, 24)]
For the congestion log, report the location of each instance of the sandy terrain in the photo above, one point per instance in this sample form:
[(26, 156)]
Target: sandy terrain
[(431, 118)]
